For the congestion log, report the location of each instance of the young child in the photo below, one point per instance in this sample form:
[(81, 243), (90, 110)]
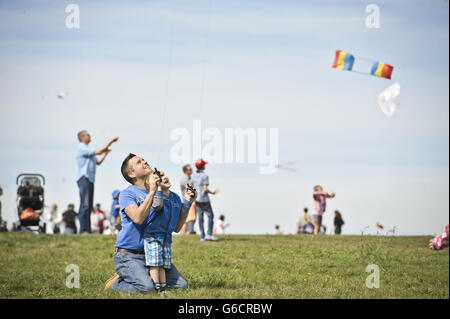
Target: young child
[(338, 222), (161, 222), (220, 228), (320, 205)]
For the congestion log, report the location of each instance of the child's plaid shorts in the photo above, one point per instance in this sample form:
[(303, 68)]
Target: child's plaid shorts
[(157, 254)]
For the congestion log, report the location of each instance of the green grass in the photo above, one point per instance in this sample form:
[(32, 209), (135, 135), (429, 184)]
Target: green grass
[(238, 266)]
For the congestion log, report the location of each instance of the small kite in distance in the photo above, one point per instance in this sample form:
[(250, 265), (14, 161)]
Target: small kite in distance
[(286, 166), (62, 95), (387, 99)]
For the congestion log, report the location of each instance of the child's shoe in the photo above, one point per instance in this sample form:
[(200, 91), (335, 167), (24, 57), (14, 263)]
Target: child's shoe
[(158, 287), (163, 287)]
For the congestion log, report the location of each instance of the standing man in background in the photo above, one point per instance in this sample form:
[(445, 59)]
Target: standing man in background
[(202, 203), (87, 161)]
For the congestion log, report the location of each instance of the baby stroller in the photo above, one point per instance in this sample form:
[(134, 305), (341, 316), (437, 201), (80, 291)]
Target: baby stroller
[(30, 203)]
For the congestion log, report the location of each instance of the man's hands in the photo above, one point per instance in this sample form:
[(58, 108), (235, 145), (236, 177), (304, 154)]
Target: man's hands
[(152, 183), (105, 149), (206, 189), (113, 140)]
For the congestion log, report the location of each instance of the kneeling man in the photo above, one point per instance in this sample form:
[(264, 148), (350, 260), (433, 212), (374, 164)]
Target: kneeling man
[(132, 275)]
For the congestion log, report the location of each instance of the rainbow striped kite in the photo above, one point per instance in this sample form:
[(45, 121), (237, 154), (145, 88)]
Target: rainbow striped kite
[(345, 61), (382, 70)]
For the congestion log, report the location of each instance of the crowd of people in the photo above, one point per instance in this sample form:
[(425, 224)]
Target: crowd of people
[(146, 213)]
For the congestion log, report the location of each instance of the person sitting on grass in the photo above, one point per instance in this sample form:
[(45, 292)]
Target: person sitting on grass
[(439, 242), (132, 275), (163, 220)]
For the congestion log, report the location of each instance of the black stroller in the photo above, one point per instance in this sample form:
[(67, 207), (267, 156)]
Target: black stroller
[(30, 203)]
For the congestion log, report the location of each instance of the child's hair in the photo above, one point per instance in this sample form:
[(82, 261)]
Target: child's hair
[(317, 188), (337, 214), (222, 217), (305, 209), (277, 226)]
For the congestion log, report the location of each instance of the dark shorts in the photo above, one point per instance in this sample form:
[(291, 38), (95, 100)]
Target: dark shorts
[(318, 219)]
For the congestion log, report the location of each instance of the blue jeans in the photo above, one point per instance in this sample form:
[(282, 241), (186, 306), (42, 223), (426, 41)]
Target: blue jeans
[(86, 203), (134, 276), (207, 209)]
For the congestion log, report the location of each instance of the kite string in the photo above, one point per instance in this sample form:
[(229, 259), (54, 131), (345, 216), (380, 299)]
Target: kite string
[(166, 95), (202, 85)]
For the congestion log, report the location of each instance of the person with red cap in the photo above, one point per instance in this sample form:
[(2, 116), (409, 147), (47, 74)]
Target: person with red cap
[(202, 203)]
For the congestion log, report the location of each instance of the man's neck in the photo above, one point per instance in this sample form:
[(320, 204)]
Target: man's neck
[(140, 183)]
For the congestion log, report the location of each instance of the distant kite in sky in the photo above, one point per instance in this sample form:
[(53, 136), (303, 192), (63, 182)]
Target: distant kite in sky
[(286, 166), (62, 95), (387, 99), (345, 61)]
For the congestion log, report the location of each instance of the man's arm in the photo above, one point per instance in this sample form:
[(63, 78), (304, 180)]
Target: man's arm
[(206, 189), (102, 158), (183, 215), (139, 213), (189, 198), (105, 148)]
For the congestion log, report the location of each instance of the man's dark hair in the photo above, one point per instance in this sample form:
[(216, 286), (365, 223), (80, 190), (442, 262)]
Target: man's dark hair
[(185, 167), (125, 168)]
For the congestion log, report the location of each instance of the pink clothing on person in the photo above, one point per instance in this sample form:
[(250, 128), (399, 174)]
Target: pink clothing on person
[(320, 202), (440, 242)]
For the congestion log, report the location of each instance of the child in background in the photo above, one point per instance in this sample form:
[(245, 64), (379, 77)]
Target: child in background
[(338, 222), (440, 242), (220, 228), (114, 213), (320, 205)]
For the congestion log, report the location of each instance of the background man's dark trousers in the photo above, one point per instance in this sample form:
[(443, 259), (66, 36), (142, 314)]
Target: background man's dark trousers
[(86, 203)]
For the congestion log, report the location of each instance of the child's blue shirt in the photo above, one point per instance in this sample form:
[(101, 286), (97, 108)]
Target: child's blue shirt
[(160, 224)]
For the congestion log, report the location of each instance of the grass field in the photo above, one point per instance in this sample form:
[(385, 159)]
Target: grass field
[(238, 266)]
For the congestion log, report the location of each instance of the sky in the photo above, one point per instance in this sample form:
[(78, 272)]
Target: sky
[(139, 70)]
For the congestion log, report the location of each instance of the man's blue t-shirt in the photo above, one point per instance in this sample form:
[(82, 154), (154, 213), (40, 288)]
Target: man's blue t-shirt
[(87, 162), (132, 235), (199, 179), (161, 223)]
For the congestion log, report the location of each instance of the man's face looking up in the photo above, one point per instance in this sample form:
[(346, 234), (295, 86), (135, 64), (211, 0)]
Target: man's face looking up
[(138, 167)]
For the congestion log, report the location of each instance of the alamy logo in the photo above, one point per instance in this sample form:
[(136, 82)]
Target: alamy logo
[(73, 19), (373, 280), (373, 19), (73, 279), (234, 145)]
